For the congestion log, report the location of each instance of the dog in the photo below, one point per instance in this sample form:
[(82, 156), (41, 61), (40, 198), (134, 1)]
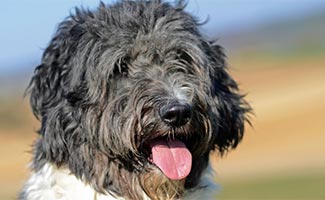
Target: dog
[(132, 99)]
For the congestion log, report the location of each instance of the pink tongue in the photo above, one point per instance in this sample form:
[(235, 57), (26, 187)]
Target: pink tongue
[(172, 158)]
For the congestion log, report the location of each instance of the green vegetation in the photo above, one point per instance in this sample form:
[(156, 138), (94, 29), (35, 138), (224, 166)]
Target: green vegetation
[(311, 186)]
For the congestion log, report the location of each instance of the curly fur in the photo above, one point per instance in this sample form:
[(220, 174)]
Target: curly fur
[(102, 80)]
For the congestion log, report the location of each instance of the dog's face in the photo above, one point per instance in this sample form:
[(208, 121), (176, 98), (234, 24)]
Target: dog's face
[(133, 94)]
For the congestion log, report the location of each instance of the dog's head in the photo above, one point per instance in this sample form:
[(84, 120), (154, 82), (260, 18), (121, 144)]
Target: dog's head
[(133, 94)]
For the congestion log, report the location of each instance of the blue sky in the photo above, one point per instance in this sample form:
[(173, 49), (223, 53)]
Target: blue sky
[(27, 25)]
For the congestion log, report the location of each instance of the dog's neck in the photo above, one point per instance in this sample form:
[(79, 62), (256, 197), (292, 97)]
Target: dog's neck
[(51, 183)]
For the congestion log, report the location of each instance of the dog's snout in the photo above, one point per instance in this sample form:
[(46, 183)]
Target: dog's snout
[(176, 114)]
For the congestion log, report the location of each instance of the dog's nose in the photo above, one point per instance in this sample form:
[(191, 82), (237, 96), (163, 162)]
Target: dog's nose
[(176, 114)]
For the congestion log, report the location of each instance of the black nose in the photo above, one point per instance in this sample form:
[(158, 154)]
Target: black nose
[(176, 114)]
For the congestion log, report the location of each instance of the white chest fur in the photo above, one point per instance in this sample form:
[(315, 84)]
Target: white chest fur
[(51, 183)]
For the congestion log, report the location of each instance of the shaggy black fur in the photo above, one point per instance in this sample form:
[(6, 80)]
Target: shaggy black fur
[(103, 79)]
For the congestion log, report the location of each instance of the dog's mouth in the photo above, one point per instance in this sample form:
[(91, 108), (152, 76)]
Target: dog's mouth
[(172, 157)]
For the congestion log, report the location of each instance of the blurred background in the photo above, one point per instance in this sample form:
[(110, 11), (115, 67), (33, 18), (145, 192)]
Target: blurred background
[(276, 51)]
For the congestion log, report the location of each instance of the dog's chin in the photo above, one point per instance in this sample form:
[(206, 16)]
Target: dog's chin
[(158, 186)]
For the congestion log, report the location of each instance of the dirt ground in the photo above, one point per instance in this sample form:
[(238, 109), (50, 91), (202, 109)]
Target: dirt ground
[(288, 131)]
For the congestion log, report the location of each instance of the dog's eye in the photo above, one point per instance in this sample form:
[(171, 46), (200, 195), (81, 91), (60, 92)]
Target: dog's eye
[(184, 57), (121, 68), (179, 70), (124, 69)]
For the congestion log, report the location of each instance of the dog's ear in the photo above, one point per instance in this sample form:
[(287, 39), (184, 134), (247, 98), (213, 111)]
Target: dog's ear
[(48, 89), (229, 109), (47, 86)]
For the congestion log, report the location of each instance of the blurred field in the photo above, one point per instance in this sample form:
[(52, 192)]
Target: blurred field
[(275, 186), (16, 135), (281, 157)]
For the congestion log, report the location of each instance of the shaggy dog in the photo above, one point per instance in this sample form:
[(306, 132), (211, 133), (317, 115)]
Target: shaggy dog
[(132, 99)]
